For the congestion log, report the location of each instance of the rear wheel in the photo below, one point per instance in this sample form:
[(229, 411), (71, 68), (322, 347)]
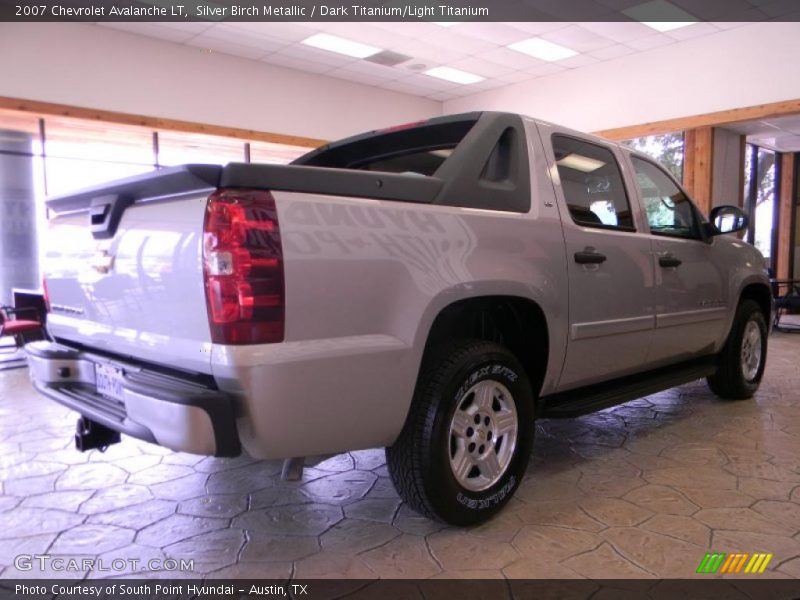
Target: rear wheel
[(469, 433), (744, 356)]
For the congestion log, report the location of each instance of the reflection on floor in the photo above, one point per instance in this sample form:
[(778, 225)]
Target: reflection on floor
[(642, 490)]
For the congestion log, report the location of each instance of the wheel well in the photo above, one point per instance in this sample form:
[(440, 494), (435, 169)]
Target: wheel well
[(762, 295), (516, 323)]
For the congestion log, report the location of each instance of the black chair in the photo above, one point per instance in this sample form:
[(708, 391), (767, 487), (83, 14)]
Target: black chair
[(786, 295)]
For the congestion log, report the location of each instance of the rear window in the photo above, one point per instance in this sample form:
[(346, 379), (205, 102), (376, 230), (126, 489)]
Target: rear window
[(425, 162), (416, 149)]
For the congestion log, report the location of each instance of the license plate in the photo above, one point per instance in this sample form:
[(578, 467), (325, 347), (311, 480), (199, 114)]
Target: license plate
[(109, 381)]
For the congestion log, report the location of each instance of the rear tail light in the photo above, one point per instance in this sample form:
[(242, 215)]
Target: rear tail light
[(243, 268)]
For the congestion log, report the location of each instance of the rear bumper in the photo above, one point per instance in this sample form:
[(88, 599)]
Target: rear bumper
[(167, 410)]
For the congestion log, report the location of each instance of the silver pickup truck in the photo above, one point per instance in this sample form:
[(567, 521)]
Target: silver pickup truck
[(432, 288)]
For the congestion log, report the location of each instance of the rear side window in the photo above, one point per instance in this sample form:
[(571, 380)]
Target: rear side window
[(669, 210), (592, 184)]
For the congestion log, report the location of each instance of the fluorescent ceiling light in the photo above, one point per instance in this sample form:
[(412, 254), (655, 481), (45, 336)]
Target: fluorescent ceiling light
[(542, 49), (584, 164), (454, 75), (665, 26), (445, 23), (333, 43), (660, 15)]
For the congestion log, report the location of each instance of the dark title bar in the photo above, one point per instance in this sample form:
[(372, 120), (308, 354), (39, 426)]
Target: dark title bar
[(751, 588), (398, 10)]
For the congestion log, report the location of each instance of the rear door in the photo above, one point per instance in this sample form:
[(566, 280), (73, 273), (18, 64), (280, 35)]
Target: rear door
[(691, 281), (610, 269)]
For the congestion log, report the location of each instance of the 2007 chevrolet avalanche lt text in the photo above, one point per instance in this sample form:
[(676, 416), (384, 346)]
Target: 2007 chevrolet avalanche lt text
[(431, 288)]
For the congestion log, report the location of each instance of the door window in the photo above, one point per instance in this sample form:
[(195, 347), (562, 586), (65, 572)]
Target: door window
[(592, 184), (669, 210)]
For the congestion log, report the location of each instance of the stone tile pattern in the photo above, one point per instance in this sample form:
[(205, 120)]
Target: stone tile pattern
[(641, 490)]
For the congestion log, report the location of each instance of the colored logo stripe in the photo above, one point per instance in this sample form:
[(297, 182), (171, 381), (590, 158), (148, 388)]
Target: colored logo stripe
[(711, 562), (729, 562), (736, 562), (758, 563)]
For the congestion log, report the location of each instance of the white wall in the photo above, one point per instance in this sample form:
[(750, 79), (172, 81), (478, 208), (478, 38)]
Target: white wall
[(746, 66), (96, 67)]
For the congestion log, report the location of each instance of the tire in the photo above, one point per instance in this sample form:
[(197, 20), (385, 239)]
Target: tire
[(744, 356), (459, 383)]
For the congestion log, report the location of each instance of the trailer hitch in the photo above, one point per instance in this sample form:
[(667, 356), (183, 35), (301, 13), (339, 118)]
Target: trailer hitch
[(91, 435)]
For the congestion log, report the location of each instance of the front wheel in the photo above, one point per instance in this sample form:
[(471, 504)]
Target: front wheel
[(744, 356), (468, 436)]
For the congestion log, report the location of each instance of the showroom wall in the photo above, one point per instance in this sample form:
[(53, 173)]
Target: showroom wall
[(745, 66), (97, 67)]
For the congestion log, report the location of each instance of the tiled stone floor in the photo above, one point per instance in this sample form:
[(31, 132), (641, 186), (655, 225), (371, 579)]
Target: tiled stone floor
[(642, 490)]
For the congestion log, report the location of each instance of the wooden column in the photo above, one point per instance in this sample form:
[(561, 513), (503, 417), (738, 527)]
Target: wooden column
[(785, 215), (742, 152), (698, 165)]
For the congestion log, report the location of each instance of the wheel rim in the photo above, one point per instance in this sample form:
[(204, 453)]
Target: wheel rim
[(751, 350), (483, 435)]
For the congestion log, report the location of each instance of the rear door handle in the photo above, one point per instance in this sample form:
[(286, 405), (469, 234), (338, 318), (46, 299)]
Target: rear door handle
[(669, 261), (589, 258)]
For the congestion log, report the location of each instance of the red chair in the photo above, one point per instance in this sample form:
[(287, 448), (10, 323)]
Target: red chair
[(15, 327)]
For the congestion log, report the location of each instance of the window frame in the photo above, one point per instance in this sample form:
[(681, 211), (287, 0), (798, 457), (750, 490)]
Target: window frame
[(602, 226), (699, 219)]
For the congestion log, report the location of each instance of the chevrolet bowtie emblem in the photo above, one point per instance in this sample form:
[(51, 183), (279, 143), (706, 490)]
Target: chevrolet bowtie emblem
[(102, 261)]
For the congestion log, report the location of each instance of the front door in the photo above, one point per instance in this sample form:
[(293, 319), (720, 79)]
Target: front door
[(611, 298), (692, 298)]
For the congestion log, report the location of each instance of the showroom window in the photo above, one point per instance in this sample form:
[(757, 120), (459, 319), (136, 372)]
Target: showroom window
[(276, 154), (44, 156), (759, 199), (666, 148), (22, 220), (592, 184), (178, 148), (81, 153)]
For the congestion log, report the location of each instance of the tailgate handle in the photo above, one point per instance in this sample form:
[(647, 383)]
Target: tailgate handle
[(105, 213), (97, 214)]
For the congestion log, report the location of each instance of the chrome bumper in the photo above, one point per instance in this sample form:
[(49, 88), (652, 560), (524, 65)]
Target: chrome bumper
[(167, 410)]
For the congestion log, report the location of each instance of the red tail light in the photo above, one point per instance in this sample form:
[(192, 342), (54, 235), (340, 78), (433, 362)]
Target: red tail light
[(243, 268)]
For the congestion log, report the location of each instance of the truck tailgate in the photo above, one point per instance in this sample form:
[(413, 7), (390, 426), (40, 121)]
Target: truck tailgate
[(137, 289)]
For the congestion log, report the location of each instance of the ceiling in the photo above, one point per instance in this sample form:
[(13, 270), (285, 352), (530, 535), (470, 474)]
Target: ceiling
[(780, 133), (479, 48)]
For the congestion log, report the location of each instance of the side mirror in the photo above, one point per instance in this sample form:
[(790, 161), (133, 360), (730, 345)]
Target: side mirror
[(727, 219)]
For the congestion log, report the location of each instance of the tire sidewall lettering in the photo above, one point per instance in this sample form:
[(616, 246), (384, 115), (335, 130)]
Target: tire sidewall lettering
[(485, 372), (490, 501), (483, 501)]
